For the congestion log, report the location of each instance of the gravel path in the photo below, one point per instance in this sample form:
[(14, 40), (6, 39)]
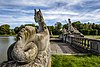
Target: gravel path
[(58, 47)]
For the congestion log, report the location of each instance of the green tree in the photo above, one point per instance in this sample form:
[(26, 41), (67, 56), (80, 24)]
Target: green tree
[(58, 27), (77, 24), (93, 26), (16, 30), (5, 29), (51, 28), (30, 25), (65, 26), (12, 32)]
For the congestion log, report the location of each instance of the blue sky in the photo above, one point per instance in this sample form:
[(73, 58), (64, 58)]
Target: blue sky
[(18, 12)]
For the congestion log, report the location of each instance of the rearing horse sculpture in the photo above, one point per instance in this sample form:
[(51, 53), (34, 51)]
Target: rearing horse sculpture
[(31, 49)]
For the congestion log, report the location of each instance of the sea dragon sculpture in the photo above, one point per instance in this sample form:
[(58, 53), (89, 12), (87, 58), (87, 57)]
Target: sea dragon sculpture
[(31, 49)]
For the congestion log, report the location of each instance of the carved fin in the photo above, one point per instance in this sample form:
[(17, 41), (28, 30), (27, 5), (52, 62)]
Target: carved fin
[(39, 10), (35, 11)]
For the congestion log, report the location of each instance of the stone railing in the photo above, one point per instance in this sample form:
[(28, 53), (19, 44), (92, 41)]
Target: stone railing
[(83, 44)]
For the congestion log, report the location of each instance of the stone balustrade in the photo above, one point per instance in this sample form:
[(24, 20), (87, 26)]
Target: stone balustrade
[(83, 44)]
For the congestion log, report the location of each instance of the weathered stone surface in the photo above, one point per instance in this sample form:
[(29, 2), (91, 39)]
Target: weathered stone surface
[(31, 49), (73, 31)]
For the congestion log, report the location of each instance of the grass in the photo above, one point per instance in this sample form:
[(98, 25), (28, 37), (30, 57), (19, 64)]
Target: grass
[(93, 36), (75, 61), (87, 36), (55, 36)]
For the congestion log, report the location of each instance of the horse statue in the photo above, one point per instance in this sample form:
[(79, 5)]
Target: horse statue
[(31, 48)]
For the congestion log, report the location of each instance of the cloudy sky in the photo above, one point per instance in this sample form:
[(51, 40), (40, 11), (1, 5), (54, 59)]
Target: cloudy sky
[(18, 12)]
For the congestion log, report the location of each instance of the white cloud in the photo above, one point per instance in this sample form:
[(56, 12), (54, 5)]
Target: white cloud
[(53, 10), (60, 12), (50, 17), (25, 18), (74, 2), (45, 3), (5, 16), (18, 10)]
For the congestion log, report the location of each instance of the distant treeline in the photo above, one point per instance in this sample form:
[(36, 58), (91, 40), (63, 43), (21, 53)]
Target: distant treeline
[(85, 28), (5, 30)]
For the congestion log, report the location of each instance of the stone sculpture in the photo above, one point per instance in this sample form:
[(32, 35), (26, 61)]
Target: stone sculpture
[(73, 31), (31, 49)]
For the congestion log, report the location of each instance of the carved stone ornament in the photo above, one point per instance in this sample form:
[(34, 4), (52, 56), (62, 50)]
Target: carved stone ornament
[(31, 49)]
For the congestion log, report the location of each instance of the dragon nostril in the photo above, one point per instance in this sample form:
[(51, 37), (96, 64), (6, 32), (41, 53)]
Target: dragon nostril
[(27, 49)]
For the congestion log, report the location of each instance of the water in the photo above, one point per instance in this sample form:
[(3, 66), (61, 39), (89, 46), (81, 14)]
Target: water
[(5, 42)]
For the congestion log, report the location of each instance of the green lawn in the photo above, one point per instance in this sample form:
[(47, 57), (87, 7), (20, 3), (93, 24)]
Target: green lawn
[(75, 61), (55, 36), (93, 36)]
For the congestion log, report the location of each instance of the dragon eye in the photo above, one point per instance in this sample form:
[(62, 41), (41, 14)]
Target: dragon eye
[(19, 38)]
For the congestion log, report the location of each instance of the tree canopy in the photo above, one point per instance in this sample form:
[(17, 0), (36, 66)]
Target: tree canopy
[(5, 29), (85, 28)]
